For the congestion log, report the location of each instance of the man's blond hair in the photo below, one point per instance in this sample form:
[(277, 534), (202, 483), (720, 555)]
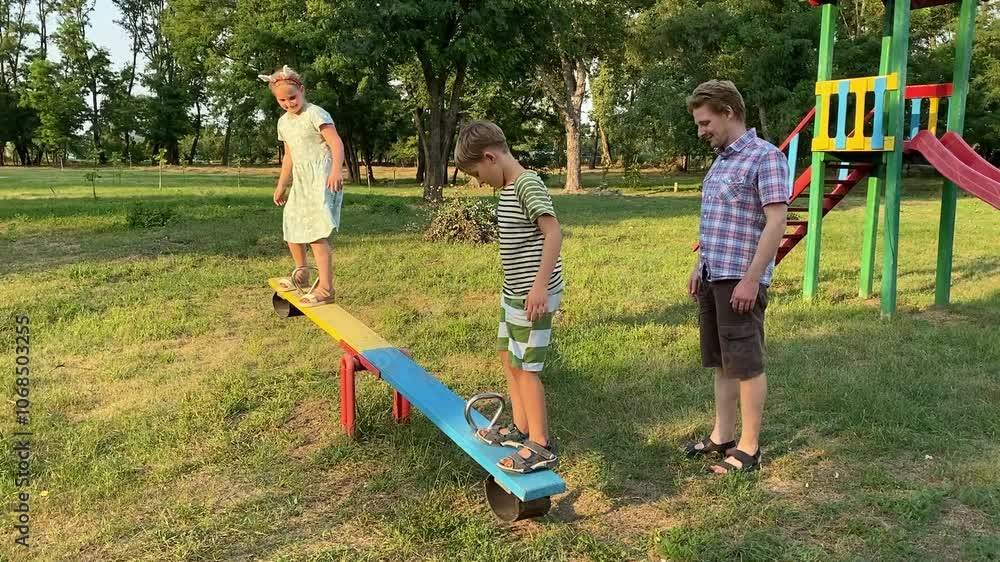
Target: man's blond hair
[(474, 139), (720, 96)]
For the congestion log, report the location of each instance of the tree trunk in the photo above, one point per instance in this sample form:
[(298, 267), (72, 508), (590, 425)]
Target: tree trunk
[(442, 119), (572, 155), (593, 149), (368, 165), (23, 154), (421, 156), (421, 161), (173, 152), (197, 133), (763, 123), (575, 81), (227, 142), (605, 147), (351, 159), (43, 35), (435, 171), (567, 94)]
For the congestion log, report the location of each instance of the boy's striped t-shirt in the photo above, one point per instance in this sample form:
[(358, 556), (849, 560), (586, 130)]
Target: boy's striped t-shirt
[(521, 204)]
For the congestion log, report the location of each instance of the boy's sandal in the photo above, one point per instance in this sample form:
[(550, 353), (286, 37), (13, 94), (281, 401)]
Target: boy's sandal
[(540, 458), (509, 436), (750, 462), (708, 447), (311, 299)]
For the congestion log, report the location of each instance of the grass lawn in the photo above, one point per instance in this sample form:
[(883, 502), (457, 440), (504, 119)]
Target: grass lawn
[(175, 417)]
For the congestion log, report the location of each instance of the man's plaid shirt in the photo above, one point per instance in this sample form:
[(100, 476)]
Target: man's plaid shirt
[(747, 175)]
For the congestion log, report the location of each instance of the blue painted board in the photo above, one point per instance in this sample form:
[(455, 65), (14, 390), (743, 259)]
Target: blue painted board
[(914, 117), (446, 410), (878, 132), (793, 157), (843, 92)]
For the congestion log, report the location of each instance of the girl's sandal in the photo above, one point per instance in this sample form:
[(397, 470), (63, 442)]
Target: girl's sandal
[(311, 299), (294, 283), (495, 435), (540, 458), (750, 463), (708, 447)]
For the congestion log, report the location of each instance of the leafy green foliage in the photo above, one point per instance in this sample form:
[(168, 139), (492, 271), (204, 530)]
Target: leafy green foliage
[(140, 215)]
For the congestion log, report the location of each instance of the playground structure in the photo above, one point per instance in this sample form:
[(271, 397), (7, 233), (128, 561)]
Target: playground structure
[(511, 496), (875, 108)]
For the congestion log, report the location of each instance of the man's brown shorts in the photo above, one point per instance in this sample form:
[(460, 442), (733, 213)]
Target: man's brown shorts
[(729, 339)]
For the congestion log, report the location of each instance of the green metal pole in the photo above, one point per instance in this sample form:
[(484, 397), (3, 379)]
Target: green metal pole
[(899, 51), (956, 123), (827, 37), (875, 182)]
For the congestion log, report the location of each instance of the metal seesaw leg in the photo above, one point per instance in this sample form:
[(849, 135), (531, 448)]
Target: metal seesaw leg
[(508, 507), (283, 307)]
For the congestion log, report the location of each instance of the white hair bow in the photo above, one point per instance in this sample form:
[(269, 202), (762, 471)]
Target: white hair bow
[(284, 74)]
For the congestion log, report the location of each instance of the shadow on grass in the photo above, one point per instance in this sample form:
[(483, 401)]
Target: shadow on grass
[(852, 380)]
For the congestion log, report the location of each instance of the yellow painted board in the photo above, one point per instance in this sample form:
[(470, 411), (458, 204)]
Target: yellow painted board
[(857, 139), (932, 117), (336, 321)]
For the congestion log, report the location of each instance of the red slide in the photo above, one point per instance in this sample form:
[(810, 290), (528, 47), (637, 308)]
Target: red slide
[(963, 174), (957, 145)]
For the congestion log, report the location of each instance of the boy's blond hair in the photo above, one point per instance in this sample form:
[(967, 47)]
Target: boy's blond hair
[(474, 139), (718, 95)]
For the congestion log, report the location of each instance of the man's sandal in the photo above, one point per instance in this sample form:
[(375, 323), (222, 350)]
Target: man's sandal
[(708, 447), (750, 462), (509, 436), (540, 458)]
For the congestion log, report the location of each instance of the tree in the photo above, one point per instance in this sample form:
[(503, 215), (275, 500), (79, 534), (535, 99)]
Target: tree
[(137, 21), (449, 40), (16, 122), (518, 105), (54, 94), (90, 63), (575, 35)]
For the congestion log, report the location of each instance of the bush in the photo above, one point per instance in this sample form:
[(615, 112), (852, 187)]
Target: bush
[(463, 220), (141, 216), (387, 206)]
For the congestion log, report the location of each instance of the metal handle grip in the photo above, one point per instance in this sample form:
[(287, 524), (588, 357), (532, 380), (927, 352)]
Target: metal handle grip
[(478, 398)]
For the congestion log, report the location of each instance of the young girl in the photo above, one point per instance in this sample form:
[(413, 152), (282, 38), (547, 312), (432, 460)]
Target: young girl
[(314, 156)]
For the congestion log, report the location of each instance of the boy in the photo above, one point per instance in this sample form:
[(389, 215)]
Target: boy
[(743, 209), (530, 242)]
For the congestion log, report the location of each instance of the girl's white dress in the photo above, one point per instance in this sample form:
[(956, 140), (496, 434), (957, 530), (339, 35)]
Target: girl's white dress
[(312, 211)]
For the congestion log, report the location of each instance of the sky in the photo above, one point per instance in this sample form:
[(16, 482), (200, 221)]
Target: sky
[(104, 32), (108, 34)]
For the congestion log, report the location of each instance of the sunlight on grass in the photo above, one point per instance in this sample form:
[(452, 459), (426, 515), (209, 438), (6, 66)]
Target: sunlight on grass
[(177, 418)]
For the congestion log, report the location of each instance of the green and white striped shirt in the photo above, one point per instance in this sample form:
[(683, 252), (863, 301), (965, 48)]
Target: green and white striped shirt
[(521, 241)]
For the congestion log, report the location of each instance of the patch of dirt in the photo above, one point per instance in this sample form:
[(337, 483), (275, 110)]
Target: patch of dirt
[(940, 317), (806, 476), (631, 516), (957, 515), (310, 420)]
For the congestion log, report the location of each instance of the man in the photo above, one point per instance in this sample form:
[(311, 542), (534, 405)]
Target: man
[(744, 204)]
